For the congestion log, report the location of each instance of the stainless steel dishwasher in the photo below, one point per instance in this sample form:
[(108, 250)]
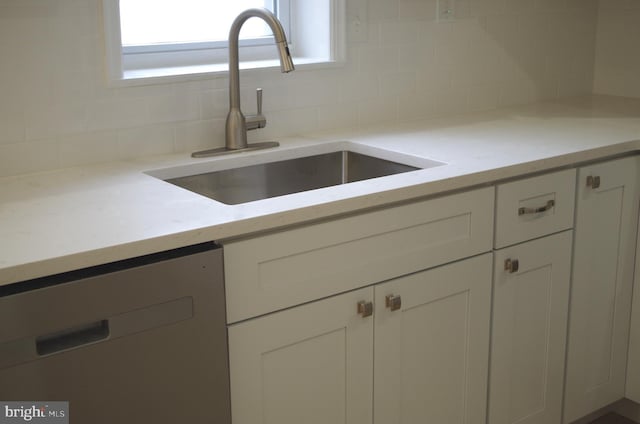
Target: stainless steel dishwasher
[(137, 341)]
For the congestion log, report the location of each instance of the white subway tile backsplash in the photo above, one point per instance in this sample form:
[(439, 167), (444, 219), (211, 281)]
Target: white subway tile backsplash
[(585, 4), (417, 9), (175, 107), (383, 9), (398, 83), (214, 103), (88, 148), (517, 91), (199, 135), (449, 100), (312, 92), (340, 115), (399, 32), (359, 86), (488, 7), (453, 43), (54, 97), (484, 97), (146, 141), (573, 85), (550, 4), (378, 59), (142, 91), (26, 157), (618, 4), (377, 111), (617, 64), (434, 76), (51, 118), (519, 5), (418, 105), (109, 114), (12, 121), (295, 121)]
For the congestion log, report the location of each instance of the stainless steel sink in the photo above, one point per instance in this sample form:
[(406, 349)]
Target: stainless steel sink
[(255, 182)]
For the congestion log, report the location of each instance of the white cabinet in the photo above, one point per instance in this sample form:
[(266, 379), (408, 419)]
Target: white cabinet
[(295, 359), (530, 303), (431, 353), (309, 364), (314, 363), (531, 298), (603, 264), (633, 365)]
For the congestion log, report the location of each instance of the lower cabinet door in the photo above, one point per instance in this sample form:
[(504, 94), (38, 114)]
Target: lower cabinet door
[(432, 345), (601, 290), (310, 364), (632, 390), (530, 309)]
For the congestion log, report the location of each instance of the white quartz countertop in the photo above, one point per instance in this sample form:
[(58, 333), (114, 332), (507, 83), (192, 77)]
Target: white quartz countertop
[(72, 218)]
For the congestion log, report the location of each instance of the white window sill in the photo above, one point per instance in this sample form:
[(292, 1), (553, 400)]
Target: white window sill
[(198, 72)]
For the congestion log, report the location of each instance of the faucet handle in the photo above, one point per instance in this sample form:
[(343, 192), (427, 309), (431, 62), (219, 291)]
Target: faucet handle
[(253, 122), (259, 99)]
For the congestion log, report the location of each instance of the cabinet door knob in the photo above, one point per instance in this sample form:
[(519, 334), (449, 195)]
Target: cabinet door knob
[(593, 181), (393, 302), (365, 309), (511, 265)]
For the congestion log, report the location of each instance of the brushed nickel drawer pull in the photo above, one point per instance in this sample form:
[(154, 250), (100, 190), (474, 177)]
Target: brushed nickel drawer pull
[(365, 309), (511, 265), (529, 211), (593, 182), (393, 302)]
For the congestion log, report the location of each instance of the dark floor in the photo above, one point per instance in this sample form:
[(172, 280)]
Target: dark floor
[(613, 419)]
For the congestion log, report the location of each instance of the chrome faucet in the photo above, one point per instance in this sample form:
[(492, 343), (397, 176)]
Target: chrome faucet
[(237, 124)]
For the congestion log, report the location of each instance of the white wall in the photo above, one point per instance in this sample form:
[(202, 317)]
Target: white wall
[(617, 69), (56, 109)]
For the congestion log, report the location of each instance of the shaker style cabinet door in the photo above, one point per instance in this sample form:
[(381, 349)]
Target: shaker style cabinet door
[(310, 364), (603, 265), (432, 345), (530, 308), (633, 365)]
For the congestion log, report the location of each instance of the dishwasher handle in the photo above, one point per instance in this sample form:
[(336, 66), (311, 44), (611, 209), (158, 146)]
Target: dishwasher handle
[(73, 337)]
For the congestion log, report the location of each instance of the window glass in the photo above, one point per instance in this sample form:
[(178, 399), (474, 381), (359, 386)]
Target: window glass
[(152, 22)]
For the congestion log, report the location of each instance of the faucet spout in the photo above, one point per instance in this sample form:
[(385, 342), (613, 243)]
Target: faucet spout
[(236, 127)]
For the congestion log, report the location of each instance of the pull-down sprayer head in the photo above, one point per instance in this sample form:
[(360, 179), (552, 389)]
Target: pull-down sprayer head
[(286, 63)]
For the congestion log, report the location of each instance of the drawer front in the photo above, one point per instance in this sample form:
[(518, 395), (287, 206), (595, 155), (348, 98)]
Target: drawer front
[(276, 271), (534, 207)]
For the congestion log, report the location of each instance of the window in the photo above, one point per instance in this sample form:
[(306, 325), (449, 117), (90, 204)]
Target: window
[(166, 38)]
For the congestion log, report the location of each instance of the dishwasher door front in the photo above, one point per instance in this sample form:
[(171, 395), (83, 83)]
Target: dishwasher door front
[(136, 342)]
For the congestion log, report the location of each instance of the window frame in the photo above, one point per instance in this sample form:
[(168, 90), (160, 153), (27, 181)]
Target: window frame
[(136, 65)]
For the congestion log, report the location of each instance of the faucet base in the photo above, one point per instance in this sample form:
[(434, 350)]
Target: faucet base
[(224, 151)]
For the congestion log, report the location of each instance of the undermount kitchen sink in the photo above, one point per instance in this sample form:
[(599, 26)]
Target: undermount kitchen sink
[(240, 179), (261, 181)]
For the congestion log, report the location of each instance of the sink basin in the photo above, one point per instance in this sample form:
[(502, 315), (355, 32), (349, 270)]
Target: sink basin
[(255, 182)]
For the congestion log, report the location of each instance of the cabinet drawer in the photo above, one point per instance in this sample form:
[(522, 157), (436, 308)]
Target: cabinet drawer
[(283, 269), (534, 207)]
